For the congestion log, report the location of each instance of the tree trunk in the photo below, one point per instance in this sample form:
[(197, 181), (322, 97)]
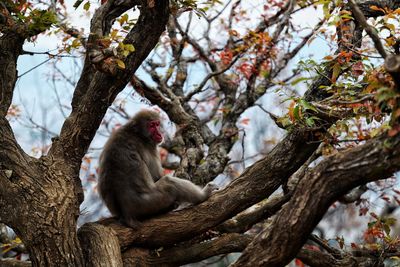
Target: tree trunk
[(43, 209)]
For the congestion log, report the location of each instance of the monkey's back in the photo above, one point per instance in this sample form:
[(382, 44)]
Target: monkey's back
[(123, 173)]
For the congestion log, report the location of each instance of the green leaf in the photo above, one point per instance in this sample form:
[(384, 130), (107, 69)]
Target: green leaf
[(325, 9), (296, 81), (120, 63), (86, 6), (296, 112), (310, 122), (129, 48), (390, 221), (125, 53), (124, 18), (307, 106)]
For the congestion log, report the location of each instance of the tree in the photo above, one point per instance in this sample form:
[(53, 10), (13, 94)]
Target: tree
[(340, 135)]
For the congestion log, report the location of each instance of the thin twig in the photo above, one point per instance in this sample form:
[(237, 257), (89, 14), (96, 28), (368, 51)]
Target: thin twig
[(208, 77)]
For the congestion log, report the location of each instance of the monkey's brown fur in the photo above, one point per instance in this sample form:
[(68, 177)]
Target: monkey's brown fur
[(131, 179)]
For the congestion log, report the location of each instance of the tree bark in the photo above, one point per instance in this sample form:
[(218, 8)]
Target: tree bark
[(41, 197), (100, 246)]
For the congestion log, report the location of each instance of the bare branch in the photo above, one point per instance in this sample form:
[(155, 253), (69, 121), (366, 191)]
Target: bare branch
[(185, 254), (262, 211)]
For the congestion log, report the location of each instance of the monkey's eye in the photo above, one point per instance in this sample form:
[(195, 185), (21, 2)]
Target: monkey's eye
[(153, 124)]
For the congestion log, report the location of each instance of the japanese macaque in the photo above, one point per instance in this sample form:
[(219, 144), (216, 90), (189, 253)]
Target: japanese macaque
[(131, 180)]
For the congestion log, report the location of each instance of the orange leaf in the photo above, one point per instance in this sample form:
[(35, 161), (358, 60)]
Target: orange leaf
[(245, 121), (291, 111), (376, 8)]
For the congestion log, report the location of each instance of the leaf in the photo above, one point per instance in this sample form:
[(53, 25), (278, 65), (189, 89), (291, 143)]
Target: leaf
[(245, 121), (123, 19), (77, 3), (120, 63), (297, 112), (390, 221), (336, 69), (86, 6), (310, 122), (307, 106), (298, 80), (130, 48), (376, 8), (291, 109)]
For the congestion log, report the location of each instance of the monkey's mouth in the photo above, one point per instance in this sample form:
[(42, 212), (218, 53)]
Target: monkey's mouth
[(158, 138)]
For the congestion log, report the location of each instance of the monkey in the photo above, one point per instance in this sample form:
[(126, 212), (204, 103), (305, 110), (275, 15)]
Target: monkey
[(131, 180)]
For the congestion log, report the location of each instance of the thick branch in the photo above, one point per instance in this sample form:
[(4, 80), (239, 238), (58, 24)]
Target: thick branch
[(187, 254), (392, 65), (10, 49), (333, 177), (14, 164)]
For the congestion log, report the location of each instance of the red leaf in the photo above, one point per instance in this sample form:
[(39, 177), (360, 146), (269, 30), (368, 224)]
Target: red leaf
[(226, 57), (298, 262)]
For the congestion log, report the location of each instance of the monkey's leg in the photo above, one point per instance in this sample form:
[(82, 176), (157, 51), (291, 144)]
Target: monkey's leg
[(187, 191), (158, 199)]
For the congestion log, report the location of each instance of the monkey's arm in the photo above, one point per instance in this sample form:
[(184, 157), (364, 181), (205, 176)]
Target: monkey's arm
[(133, 173)]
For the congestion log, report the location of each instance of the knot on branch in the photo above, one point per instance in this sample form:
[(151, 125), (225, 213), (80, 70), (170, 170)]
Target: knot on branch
[(104, 60), (392, 65)]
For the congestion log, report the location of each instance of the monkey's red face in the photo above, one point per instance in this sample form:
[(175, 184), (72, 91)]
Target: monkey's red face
[(154, 130)]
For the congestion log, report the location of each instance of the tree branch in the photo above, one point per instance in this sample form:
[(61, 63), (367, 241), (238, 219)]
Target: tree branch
[(100, 26), (245, 220), (185, 254), (80, 127), (316, 258), (323, 185), (10, 48), (370, 30)]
